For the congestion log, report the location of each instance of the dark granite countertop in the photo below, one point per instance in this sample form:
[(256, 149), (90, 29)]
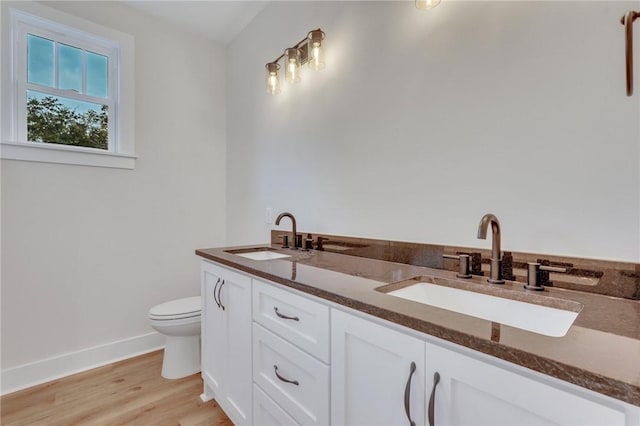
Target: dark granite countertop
[(601, 351)]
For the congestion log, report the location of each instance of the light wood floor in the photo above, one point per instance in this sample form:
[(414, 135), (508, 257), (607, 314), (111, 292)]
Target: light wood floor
[(129, 392)]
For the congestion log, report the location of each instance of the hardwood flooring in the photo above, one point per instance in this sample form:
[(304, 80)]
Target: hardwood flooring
[(129, 392)]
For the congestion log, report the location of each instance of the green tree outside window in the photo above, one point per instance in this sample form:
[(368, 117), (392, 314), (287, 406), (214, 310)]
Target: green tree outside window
[(48, 120)]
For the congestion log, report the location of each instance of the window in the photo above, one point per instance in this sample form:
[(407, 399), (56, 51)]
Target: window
[(67, 99), (67, 93)]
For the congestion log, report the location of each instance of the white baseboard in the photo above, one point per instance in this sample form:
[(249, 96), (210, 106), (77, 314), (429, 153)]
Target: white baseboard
[(35, 373)]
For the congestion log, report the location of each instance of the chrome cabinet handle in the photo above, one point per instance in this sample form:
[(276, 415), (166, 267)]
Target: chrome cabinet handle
[(214, 292), (219, 290), (432, 399), (407, 394), (284, 316), (282, 379)]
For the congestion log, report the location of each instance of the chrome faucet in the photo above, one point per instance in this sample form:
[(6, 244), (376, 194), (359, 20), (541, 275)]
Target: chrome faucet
[(496, 257), (293, 222)]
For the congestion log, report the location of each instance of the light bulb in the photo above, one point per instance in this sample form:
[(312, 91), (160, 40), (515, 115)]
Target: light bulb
[(292, 69), (273, 82), (427, 4), (316, 51), (273, 85)]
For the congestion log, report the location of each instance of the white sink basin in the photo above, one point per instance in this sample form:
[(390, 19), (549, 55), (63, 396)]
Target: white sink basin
[(262, 255), (258, 253), (537, 318)]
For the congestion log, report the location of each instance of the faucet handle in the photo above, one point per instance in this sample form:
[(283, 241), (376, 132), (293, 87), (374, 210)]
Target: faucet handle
[(308, 243), (553, 269), (463, 266), (320, 241), (285, 241), (533, 275)]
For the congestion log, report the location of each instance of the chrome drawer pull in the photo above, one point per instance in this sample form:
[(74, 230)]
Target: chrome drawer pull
[(407, 394), (284, 316), (293, 382)]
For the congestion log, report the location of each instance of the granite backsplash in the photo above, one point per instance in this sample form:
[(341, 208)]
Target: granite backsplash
[(611, 278)]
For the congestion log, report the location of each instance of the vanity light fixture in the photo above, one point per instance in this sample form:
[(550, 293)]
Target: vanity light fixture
[(426, 4), (307, 51)]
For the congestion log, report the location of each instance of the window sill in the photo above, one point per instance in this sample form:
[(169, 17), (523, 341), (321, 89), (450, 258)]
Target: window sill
[(28, 151)]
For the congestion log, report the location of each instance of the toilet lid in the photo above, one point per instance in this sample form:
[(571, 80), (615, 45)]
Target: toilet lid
[(179, 308)]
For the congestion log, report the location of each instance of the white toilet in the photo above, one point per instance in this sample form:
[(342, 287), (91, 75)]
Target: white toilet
[(179, 321)]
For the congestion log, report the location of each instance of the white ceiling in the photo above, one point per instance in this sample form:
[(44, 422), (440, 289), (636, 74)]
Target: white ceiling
[(220, 21)]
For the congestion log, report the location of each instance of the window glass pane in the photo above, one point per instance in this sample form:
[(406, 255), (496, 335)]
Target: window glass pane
[(97, 76), (56, 119), (69, 68), (39, 60)]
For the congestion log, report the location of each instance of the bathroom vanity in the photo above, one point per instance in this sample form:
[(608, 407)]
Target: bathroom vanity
[(311, 337)]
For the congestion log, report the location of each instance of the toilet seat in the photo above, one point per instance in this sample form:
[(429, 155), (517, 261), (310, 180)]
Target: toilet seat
[(189, 307)]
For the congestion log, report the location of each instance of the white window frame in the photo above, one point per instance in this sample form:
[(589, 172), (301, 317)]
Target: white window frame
[(42, 21)]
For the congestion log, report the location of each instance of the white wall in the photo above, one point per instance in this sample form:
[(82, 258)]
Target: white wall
[(87, 251), (423, 122)]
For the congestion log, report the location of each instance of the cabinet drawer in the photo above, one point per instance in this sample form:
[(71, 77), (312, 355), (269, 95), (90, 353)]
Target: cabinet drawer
[(268, 413), (299, 320), (302, 388)]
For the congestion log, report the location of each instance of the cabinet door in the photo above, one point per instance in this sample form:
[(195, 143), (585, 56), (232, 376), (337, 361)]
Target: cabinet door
[(213, 332), (473, 392), (371, 374), (235, 299), (268, 413)]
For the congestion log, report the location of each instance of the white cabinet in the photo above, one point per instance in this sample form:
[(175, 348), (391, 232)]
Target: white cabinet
[(226, 341), (290, 356), (295, 380), (377, 375), (301, 321), (475, 393), (212, 358), (271, 356)]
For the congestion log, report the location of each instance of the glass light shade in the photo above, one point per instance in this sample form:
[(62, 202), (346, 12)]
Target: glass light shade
[(427, 4), (292, 65), (273, 82), (316, 50)]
